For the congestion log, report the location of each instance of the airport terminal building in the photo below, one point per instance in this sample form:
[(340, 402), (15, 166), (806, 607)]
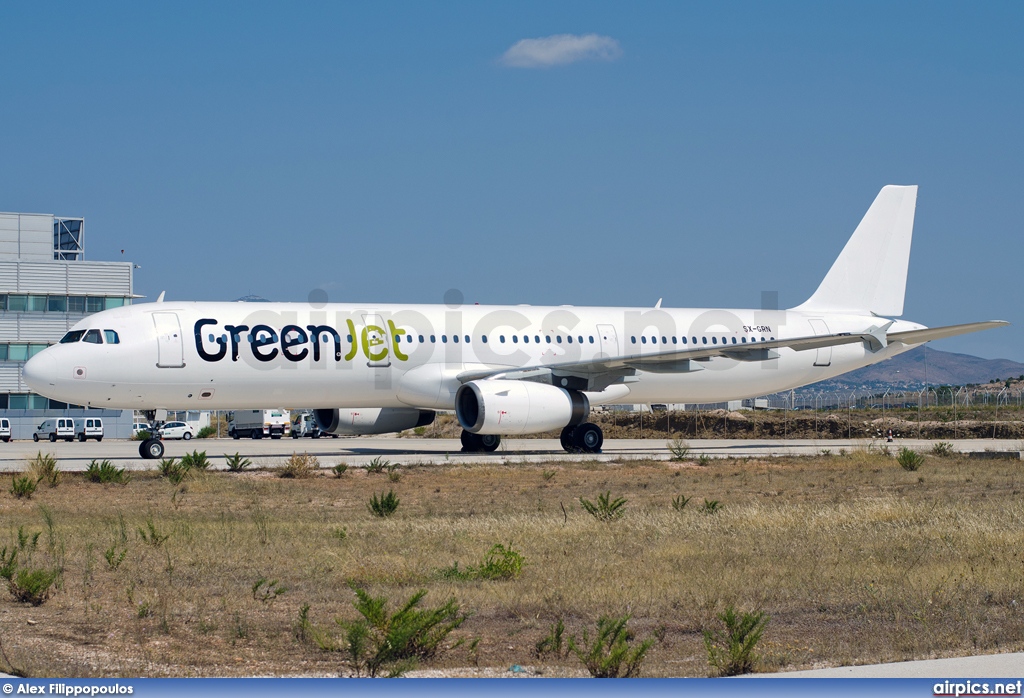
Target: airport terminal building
[(46, 286)]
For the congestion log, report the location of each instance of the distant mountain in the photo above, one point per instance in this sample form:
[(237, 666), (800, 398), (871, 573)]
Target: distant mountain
[(924, 365)]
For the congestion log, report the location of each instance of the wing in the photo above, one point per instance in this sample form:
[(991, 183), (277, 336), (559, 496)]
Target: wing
[(598, 373)]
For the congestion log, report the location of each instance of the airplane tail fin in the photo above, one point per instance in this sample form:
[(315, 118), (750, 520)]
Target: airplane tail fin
[(870, 274)]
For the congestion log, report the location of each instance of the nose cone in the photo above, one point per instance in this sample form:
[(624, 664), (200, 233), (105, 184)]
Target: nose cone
[(40, 373)]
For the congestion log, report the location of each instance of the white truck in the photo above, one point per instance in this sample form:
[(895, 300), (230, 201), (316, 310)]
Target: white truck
[(304, 424), (259, 424)]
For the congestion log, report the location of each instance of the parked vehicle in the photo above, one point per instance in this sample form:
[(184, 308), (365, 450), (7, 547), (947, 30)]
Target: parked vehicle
[(89, 428), (258, 424), (5, 429), (56, 428), (176, 430), (140, 427)]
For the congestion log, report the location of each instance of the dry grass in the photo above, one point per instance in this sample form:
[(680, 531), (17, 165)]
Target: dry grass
[(854, 559)]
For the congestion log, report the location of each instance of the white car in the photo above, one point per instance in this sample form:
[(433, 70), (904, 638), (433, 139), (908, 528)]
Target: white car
[(140, 427), (177, 430)]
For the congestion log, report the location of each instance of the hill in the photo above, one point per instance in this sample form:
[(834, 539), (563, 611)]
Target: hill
[(925, 365)]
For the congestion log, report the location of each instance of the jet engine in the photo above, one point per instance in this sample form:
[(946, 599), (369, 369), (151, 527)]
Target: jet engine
[(371, 420), (517, 407)]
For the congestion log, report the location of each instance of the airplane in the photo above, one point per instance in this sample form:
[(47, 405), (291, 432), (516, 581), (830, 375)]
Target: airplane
[(504, 370)]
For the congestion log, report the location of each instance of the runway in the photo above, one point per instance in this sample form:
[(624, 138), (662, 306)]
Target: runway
[(359, 451)]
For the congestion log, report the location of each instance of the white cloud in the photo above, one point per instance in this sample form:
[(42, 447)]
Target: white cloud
[(561, 49)]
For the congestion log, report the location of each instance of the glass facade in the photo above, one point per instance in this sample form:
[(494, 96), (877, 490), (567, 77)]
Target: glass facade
[(80, 305)]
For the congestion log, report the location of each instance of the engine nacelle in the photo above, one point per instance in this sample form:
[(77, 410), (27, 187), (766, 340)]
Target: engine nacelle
[(371, 420), (517, 407)]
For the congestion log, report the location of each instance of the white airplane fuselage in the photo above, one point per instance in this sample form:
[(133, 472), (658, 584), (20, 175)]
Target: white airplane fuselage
[(247, 355)]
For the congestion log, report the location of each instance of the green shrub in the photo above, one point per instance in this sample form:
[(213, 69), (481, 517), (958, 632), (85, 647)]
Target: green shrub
[(384, 506), (150, 535), (943, 449), (106, 472), (142, 436), (499, 563), (553, 643), (704, 460), (196, 460), (173, 470), (237, 462), (32, 585), (383, 643), (44, 469), (23, 486), (909, 460), (609, 655), (606, 508), (267, 591), (340, 469), (731, 649), (394, 474), (207, 432), (679, 503), (712, 506), (300, 466), (679, 448), (115, 555), (378, 465)]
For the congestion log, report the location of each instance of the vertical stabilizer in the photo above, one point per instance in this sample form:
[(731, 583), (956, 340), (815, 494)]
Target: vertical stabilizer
[(870, 274)]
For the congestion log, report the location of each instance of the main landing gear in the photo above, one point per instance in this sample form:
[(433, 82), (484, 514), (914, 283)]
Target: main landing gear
[(476, 443), (151, 448), (582, 438)]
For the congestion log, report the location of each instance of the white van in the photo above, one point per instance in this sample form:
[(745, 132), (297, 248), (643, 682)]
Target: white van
[(53, 429), (5, 429), (89, 428)]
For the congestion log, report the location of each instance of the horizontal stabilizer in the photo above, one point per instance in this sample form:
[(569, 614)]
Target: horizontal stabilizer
[(931, 333)]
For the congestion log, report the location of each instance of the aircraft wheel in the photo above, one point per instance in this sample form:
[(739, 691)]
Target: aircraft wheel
[(588, 438), (566, 439), (489, 442), (151, 449), (470, 442)]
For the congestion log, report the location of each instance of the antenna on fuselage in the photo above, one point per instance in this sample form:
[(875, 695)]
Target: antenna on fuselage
[(160, 298), (658, 304)]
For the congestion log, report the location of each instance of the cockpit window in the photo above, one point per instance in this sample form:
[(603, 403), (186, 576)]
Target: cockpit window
[(111, 337), (93, 337), (72, 336)]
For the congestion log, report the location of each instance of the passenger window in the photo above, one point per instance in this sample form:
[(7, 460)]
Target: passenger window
[(515, 339), (684, 340), (548, 339), (444, 339), (714, 340), (467, 339), (633, 339), (664, 340), (536, 338), (643, 340), (455, 338), (654, 340), (591, 339), (675, 341), (703, 340), (93, 337), (744, 340), (111, 337), (526, 339), (733, 340), (501, 338), (569, 338), (558, 339), (483, 339)]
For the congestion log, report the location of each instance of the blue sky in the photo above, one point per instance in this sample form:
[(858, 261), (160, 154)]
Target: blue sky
[(700, 152)]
